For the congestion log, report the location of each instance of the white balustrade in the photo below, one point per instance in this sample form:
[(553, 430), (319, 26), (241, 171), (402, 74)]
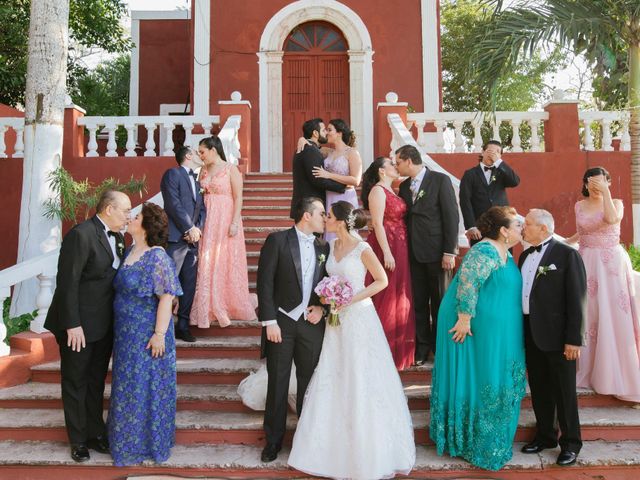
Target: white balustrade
[(604, 123), (229, 138), (455, 122), (17, 125), (166, 124)]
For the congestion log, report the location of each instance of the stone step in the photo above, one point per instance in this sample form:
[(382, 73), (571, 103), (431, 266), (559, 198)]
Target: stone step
[(282, 210), (269, 176), (47, 459), (268, 192), (267, 201), (193, 426), (251, 328), (217, 371), (267, 221), (220, 347), (263, 231), (276, 183), (225, 398)]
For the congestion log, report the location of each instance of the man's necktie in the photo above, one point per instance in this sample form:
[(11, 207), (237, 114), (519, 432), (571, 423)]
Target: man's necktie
[(112, 234)]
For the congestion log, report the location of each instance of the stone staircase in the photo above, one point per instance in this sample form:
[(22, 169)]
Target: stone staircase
[(217, 436)]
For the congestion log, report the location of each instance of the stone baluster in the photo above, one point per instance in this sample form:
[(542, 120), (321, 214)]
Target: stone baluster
[(588, 136), (92, 146), (5, 293), (188, 136), (477, 135), (3, 145), (19, 148), (420, 129), (207, 126), (606, 135), (150, 145), (440, 127), (625, 140), (131, 141), (111, 142), (43, 302), (496, 130), (459, 140), (516, 143), (168, 142), (535, 137)]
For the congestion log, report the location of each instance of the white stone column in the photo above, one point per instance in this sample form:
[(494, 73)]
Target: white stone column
[(201, 57), (134, 81), (271, 110), (361, 102), (430, 56)]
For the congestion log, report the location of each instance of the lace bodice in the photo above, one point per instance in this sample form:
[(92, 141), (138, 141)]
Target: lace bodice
[(594, 231), (217, 184), (337, 163), (478, 264), (350, 266)]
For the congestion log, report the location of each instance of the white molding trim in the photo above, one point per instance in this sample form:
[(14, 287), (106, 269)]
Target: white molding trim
[(177, 14), (134, 80), (430, 52), (201, 57), (270, 74), (168, 109)]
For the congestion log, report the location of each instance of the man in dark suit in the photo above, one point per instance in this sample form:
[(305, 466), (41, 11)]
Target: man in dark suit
[(432, 225), (483, 187), (81, 318), (292, 262), (184, 205), (554, 296), (304, 183)]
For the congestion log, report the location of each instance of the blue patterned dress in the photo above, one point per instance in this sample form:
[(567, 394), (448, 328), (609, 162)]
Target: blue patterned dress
[(478, 385), (142, 411)]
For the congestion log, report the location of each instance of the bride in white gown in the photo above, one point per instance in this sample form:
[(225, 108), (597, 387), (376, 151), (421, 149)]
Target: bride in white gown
[(355, 420)]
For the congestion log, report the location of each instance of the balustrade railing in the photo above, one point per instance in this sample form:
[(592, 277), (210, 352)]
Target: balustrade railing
[(459, 132), (17, 125), (597, 130)]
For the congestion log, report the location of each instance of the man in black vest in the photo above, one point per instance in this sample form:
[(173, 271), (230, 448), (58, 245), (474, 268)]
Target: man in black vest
[(432, 225), (554, 302), (81, 318), (305, 184), (483, 187)]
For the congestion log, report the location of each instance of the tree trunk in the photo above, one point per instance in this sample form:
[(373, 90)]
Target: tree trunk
[(634, 133), (44, 114)]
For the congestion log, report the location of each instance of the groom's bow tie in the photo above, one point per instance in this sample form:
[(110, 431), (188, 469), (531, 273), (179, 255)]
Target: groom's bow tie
[(488, 169), (193, 174), (307, 238), (538, 248)]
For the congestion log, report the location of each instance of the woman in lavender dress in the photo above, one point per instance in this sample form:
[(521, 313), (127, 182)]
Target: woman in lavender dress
[(142, 410)]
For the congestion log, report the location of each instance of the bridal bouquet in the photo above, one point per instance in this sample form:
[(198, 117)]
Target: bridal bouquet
[(336, 292)]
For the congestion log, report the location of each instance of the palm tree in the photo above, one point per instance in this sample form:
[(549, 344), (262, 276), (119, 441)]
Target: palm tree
[(594, 27)]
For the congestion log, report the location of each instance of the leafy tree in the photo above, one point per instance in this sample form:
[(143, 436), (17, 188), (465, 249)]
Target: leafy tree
[(92, 24), (105, 90)]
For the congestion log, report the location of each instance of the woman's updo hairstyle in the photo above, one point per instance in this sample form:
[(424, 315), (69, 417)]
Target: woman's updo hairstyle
[(354, 218), (155, 224), (593, 172), (491, 221), (342, 128), (214, 142), (370, 177)]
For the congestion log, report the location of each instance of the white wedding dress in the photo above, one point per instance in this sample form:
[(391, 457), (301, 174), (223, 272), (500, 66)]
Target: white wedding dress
[(355, 419)]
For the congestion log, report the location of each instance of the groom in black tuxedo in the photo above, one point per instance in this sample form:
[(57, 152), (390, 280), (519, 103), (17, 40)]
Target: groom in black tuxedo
[(291, 264), (81, 318), (305, 184), (554, 296), (432, 225)]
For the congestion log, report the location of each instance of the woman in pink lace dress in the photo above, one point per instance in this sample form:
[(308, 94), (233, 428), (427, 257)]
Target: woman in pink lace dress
[(610, 359), (222, 288)]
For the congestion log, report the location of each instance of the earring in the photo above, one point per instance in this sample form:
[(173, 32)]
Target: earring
[(506, 239)]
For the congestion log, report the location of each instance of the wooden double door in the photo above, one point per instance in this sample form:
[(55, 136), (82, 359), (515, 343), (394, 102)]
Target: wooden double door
[(315, 81)]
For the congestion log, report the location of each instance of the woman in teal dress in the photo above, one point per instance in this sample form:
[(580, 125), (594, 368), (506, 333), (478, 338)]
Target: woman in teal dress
[(479, 373)]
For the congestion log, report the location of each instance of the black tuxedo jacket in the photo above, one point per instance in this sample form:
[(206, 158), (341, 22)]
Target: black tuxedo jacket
[(84, 291), (476, 196), (432, 221), (279, 280), (183, 210), (558, 300), (304, 183)]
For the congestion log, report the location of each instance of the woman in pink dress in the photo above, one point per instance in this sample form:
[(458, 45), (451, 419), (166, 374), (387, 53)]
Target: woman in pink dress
[(222, 288), (610, 359), (388, 240)]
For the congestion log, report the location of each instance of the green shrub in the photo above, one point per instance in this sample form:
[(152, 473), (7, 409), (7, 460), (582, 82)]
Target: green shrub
[(634, 254), (15, 324)]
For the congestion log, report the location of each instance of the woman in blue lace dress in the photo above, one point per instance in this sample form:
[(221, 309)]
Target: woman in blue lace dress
[(142, 411), (479, 373)]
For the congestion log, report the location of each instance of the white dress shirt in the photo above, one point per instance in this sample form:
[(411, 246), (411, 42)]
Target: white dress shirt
[(416, 182), (192, 180), (112, 243), (529, 272), (488, 173), (307, 265)]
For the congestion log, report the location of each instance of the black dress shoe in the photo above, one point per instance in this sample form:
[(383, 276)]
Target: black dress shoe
[(185, 335), (535, 447), (566, 458), (99, 444), (79, 453), (419, 362), (269, 453)]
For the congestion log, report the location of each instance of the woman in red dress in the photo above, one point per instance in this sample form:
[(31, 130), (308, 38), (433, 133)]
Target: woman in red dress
[(388, 240)]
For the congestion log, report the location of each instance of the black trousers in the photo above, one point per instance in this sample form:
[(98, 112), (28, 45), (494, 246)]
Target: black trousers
[(301, 343), (83, 377), (185, 256), (552, 380), (429, 283)]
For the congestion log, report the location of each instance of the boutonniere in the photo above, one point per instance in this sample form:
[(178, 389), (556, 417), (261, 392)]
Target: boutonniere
[(420, 195), (321, 258), (543, 269), (492, 179), (120, 247)]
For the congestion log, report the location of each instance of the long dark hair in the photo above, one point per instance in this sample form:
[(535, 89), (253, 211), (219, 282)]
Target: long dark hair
[(342, 128), (370, 177), (214, 142), (343, 211), (593, 172)]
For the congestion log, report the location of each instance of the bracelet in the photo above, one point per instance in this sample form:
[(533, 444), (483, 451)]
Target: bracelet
[(160, 334)]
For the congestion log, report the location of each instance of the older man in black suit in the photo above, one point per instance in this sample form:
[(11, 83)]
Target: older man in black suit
[(81, 318), (554, 296)]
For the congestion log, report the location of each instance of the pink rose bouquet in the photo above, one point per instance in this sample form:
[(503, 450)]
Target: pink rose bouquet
[(336, 292)]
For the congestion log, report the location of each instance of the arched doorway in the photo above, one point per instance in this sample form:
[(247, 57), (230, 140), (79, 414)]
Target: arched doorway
[(315, 80)]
